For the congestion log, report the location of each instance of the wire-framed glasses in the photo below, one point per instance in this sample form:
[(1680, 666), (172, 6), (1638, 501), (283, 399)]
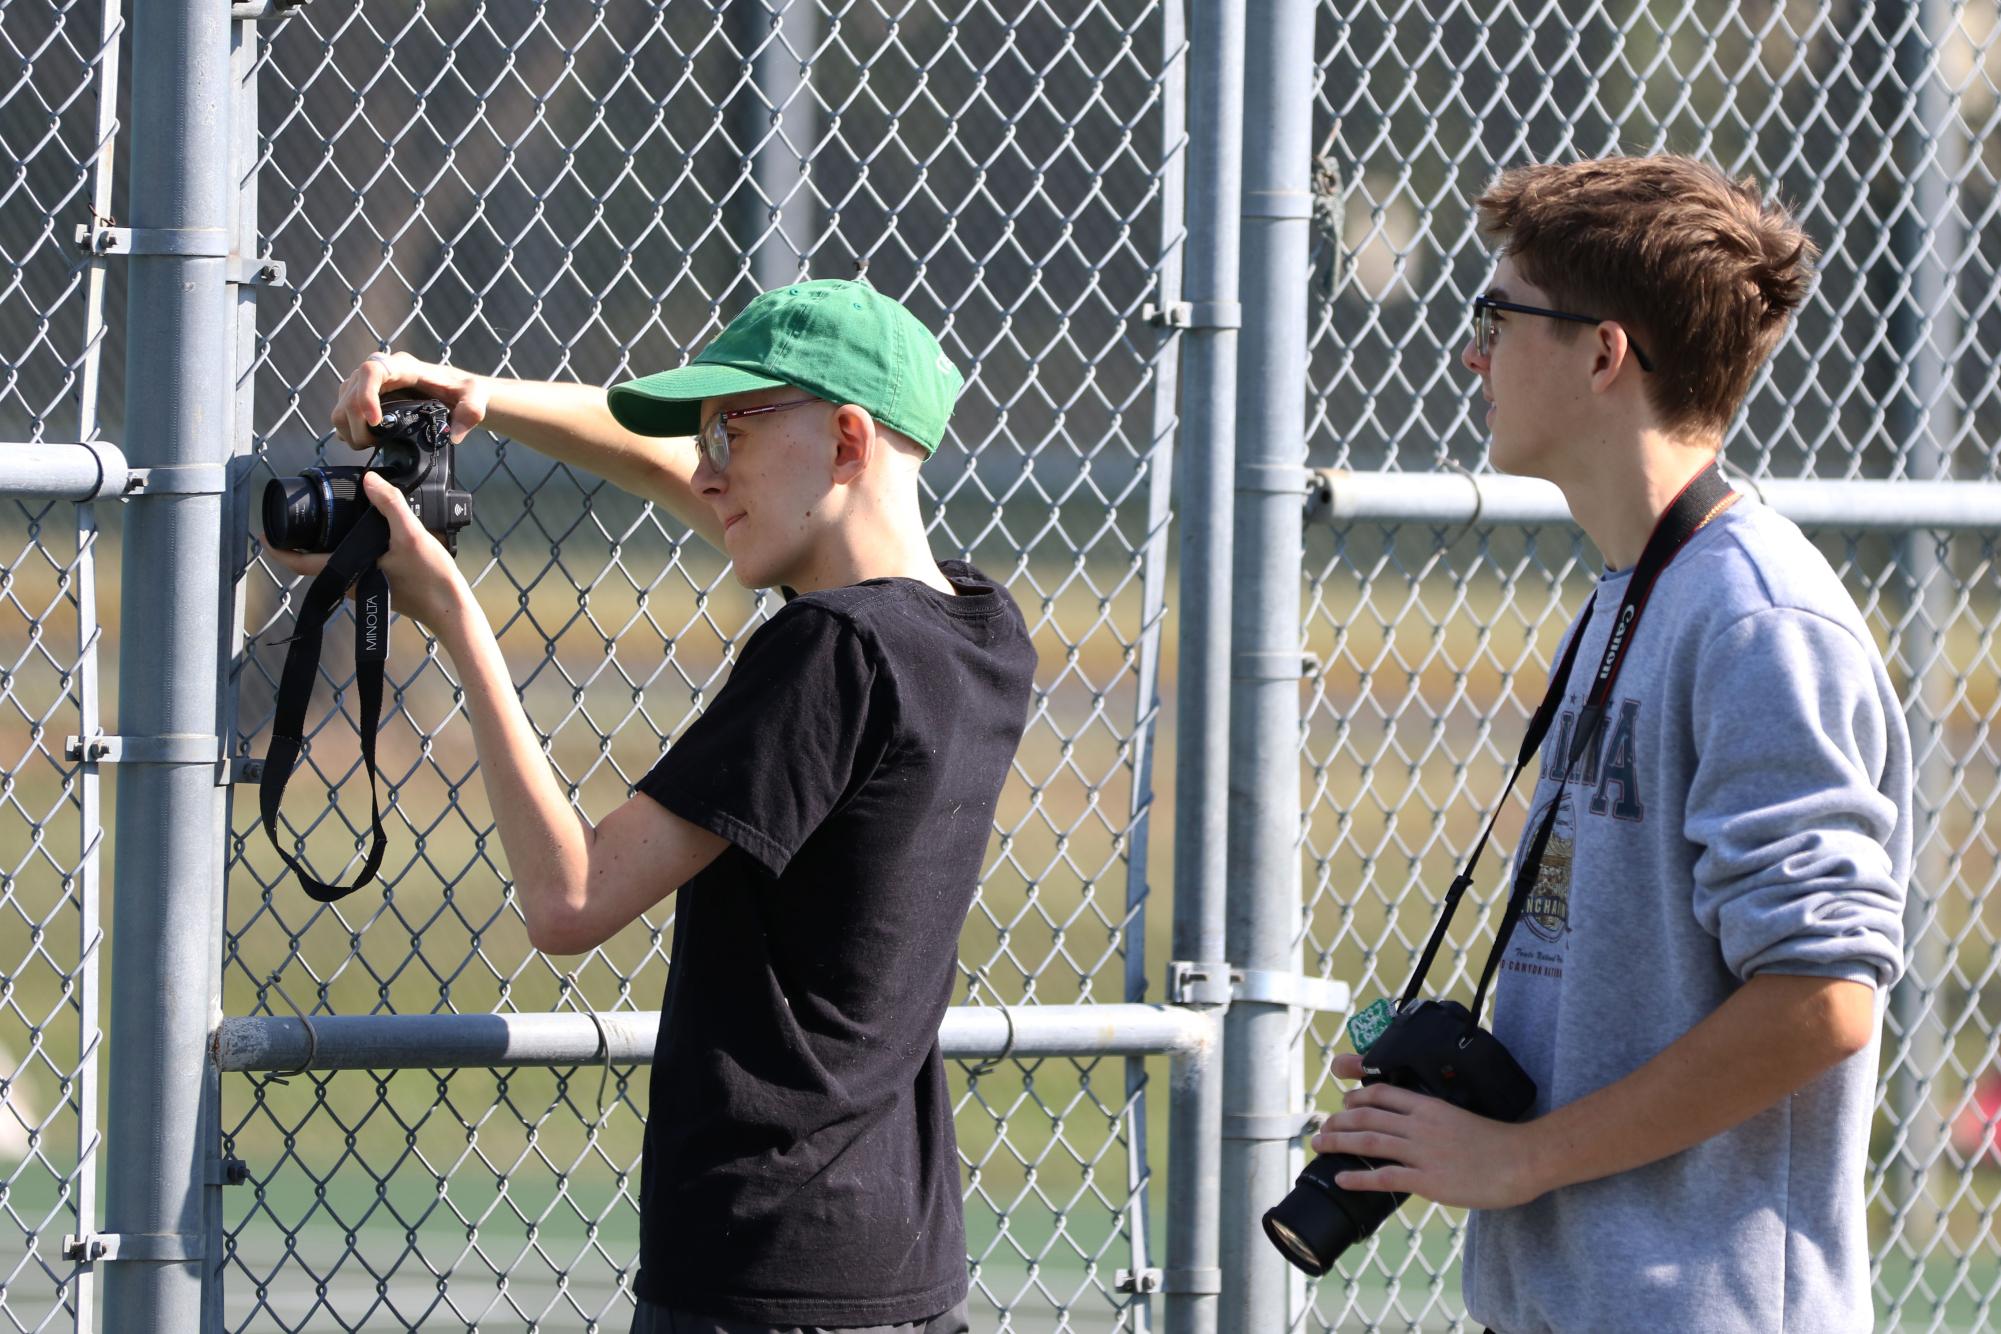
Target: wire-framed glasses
[(1483, 324)]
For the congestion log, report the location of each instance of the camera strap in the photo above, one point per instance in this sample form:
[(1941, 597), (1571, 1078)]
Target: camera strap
[(1704, 497), (353, 562)]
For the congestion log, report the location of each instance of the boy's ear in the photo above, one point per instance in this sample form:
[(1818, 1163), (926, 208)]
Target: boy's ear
[(855, 441)]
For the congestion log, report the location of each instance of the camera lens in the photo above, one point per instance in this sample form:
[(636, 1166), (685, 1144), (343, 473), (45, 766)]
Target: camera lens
[(1319, 1220), (313, 511)]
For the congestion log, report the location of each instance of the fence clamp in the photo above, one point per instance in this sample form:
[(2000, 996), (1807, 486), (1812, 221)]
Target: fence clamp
[(171, 1247), (252, 10), (1193, 314), (173, 748), (189, 242), (1197, 1281), (178, 479), (227, 1172), (1191, 983)]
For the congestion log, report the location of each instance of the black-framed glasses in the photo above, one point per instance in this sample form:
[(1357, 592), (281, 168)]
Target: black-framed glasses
[(1483, 324), (715, 436)]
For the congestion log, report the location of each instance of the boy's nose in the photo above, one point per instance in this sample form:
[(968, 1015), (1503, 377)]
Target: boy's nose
[(706, 480)]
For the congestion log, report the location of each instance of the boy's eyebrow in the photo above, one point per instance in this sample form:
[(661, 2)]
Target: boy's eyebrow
[(1497, 294)]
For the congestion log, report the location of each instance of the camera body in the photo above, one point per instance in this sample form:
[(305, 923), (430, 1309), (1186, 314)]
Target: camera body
[(1431, 1047), (315, 510)]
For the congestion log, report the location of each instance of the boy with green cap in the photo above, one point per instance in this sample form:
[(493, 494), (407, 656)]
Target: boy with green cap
[(823, 821)]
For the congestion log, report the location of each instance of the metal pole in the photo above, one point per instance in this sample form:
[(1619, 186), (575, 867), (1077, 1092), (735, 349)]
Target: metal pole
[(240, 435), (1207, 454), (90, 875), (1926, 245), (775, 129), (1491, 500), (168, 798), (1262, 1117), (627, 1037), (1159, 461), (46, 470)]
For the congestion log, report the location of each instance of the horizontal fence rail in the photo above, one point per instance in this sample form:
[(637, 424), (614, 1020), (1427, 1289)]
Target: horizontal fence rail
[(626, 1037), (1338, 496), (45, 470)]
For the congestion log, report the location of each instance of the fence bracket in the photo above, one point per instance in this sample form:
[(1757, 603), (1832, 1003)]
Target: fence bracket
[(187, 242), (1200, 1282), (173, 748), (184, 479), (1192, 983), (252, 10), (170, 1247), (228, 1171), (1193, 315), (1272, 1126)]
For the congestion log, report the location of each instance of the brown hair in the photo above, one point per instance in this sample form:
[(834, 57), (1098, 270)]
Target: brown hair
[(1702, 271)]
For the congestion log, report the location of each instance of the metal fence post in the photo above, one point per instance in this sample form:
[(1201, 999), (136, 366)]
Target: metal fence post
[(169, 801), (1261, 1112), (775, 129), (1208, 446), (1926, 251)]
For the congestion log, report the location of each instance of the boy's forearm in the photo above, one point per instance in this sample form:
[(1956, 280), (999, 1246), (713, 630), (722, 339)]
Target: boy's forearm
[(1774, 1035), (547, 842), (571, 423)]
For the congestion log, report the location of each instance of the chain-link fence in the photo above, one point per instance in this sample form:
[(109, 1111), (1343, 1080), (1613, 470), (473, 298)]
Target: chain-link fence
[(588, 194)]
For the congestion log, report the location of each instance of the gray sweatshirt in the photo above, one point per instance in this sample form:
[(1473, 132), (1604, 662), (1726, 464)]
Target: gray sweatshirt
[(1747, 811)]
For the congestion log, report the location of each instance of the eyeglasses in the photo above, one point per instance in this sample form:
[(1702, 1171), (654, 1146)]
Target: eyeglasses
[(1483, 325), (715, 437)]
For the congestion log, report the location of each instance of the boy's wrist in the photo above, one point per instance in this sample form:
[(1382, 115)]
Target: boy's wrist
[(458, 619), (1537, 1163)]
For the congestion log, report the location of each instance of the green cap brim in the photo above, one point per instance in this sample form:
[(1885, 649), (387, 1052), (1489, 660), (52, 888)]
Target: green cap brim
[(670, 402)]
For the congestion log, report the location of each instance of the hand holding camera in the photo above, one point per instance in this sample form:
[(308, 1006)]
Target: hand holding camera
[(357, 409), (1431, 1062), (384, 532), (412, 481)]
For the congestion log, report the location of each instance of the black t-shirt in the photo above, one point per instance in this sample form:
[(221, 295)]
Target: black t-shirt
[(800, 1163)]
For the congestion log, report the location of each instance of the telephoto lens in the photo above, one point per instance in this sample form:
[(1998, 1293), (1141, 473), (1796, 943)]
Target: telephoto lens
[(1431, 1047), (1319, 1220)]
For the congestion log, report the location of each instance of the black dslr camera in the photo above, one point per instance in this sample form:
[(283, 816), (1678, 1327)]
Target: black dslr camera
[(413, 449), (1430, 1047)]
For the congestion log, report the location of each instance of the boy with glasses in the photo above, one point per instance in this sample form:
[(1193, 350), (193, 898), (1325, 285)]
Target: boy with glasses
[(1697, 982), (823, 821)]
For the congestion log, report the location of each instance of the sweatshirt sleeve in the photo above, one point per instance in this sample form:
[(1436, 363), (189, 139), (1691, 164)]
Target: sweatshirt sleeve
[(1795, 801)]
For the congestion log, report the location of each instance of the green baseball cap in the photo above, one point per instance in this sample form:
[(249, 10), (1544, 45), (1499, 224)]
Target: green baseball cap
[(838, 340)]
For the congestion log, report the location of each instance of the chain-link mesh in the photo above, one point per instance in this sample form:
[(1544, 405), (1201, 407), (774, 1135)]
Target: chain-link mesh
[(55, 116), (1877, 124), (589, 194)]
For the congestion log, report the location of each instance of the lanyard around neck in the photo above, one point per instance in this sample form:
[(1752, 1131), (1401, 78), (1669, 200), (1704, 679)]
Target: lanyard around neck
[(1702, 499)]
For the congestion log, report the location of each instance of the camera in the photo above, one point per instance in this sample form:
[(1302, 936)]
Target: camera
[(413, 449), (1431, 1047)]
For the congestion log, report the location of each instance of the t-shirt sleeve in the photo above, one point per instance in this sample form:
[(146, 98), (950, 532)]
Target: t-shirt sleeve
[(782, 742), (1798, 871)]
